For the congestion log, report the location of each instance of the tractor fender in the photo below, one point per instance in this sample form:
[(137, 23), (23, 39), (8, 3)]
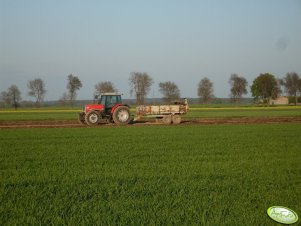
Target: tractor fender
[(118, 105)]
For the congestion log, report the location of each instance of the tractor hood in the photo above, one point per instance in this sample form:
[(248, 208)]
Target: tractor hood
[(96, 107)]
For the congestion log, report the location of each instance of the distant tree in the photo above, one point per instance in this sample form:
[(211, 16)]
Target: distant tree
[(291, 83), (299, 86), (238, 87), (169, 90), (12, 96), (265, 87), (104, 87), (140, 85), (73, 85), (37, 89), (4, 97), (64, 99), (205, 90)]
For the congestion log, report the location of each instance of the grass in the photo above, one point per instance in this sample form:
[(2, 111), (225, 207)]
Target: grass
[(149, 175), (38, 115)]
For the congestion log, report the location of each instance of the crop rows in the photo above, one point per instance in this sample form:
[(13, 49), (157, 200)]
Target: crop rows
[(155, 175)]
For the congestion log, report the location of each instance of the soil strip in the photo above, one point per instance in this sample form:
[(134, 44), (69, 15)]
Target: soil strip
[(200, 121)]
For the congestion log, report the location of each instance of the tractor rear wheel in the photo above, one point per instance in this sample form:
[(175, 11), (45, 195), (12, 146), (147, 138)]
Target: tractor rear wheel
[(81, 118), (92, 118), (176, 119), (122, 115)]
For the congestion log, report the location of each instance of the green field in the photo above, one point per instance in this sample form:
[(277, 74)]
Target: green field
[(194, 112), (149, 175), (38, 115), (243, 112)]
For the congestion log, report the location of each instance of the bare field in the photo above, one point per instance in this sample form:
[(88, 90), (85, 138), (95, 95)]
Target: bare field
[(204, 121)]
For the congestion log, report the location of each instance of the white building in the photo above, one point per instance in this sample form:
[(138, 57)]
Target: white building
[(279, 101)]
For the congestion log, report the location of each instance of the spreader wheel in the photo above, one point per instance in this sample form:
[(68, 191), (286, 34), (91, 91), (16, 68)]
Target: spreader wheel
[(122, 115), (167, 119), (92, 118), (176, 119)]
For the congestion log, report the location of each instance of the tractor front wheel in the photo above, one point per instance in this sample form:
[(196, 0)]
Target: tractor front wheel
[(122, 115), (81, 118), (92, 118)]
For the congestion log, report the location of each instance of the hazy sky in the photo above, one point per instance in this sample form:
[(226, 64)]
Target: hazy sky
[(180, 41)]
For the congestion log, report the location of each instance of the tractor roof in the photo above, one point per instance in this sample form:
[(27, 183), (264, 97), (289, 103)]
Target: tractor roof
[(111, 94)]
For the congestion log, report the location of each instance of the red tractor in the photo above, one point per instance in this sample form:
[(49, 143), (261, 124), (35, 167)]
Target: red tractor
[(109, 108)]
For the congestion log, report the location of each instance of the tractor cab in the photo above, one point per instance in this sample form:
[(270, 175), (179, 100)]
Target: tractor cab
[(109, 100)]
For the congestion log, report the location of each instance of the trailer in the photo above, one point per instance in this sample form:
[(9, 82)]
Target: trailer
[(168, 114)]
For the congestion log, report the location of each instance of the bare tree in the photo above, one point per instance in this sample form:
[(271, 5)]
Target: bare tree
[(104, 87), (299, 86), (140, 85), (37, 89), (64, 99), (12, 96), (205, 90), (73, 85), (169, 90), (291, 83), (238, 87)]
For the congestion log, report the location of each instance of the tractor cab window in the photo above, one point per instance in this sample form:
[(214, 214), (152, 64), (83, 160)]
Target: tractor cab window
[(102, 100), (110, 100), (117, 99)]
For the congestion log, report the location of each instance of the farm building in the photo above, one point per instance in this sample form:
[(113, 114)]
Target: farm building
[(279, 101)]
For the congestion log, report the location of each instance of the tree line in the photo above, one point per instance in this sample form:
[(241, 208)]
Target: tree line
[(264, 88)]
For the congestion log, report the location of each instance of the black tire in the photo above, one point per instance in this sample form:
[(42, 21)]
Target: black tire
[(92, 118), (122, 115), (167, 119), (81, 118), (176, 119)]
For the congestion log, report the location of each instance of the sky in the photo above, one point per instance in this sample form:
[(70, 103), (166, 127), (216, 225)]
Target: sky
[(171, 40)]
